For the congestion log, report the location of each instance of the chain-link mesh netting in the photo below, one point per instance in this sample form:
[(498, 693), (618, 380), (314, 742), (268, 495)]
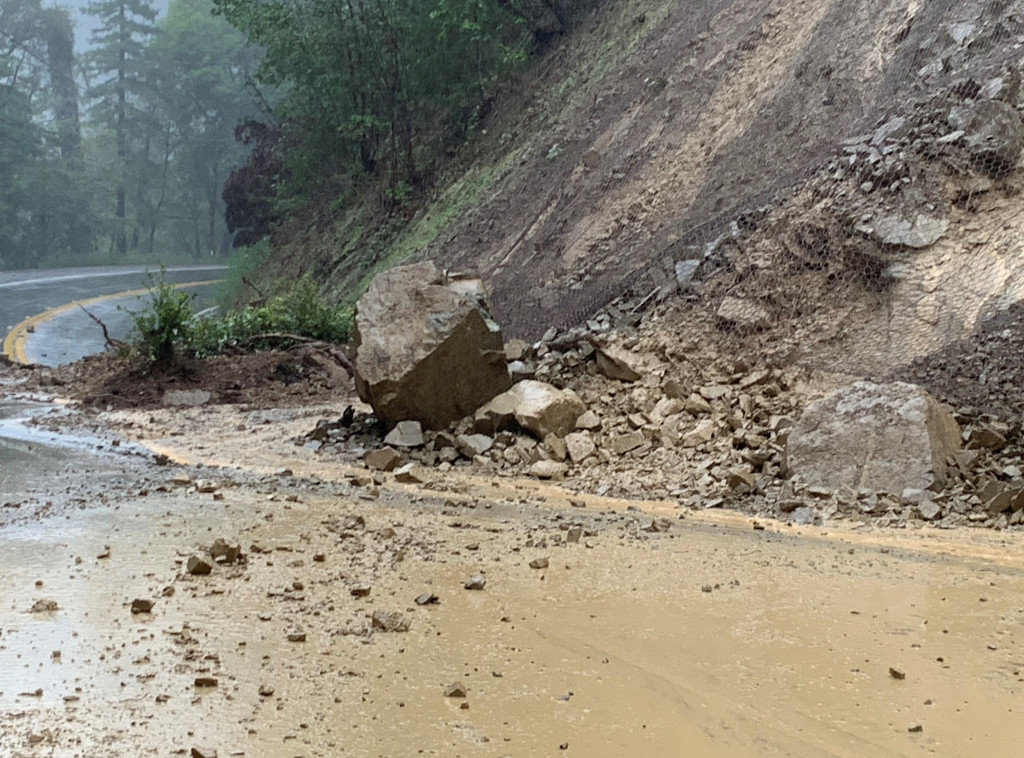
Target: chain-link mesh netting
[(831, 184)]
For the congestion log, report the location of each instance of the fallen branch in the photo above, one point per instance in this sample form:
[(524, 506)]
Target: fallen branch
[(108, 340)]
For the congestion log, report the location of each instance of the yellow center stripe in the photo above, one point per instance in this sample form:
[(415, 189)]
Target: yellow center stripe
[(14, 344)]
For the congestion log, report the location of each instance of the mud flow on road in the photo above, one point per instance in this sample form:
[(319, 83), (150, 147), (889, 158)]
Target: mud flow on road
[(599, 631)]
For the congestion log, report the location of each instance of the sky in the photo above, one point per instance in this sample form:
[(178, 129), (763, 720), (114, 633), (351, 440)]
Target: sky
[(84, 24)]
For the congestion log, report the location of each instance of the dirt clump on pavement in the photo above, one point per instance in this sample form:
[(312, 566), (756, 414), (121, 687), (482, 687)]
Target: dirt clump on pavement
[(274, 378)]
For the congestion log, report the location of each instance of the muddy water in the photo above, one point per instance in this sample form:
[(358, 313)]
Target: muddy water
[(614, 649)]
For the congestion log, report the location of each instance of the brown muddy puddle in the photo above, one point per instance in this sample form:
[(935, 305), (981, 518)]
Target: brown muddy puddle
[(614, 649)]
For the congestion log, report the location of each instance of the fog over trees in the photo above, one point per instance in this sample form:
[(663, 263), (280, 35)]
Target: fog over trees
[(118, 152), (124, 149)]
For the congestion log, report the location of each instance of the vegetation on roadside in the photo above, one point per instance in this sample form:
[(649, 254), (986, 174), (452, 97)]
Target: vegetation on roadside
[(169, 327)]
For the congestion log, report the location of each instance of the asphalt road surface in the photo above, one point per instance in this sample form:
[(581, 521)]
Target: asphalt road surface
[(71, 334)]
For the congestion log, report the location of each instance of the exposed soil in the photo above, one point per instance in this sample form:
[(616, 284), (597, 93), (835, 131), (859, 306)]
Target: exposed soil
[(275, 378)]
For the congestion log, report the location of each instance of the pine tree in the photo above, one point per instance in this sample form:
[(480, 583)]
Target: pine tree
[(116, 66)]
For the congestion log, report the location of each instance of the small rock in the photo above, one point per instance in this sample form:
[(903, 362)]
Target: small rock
[(385, 459), (360, 590), (456, 690), (44, 606), (739, 313), (266, 690), (617, 363), (472, 445), (206, 681), (224, 552), (915, 728), (579, 446), (405, 434), (589, 422), (623, 443), (406, 475), (390, 621), (203, 752), (548, 470), (477, 582), (429, 598), (296, 636), (539, 563), (198, 566), (141, 605), (896, 673), (574, 534)]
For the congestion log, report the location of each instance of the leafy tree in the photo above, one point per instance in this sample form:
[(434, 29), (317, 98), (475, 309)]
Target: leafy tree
[(372, 83)]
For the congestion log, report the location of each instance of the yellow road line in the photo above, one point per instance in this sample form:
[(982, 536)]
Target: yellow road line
[(14, 344)]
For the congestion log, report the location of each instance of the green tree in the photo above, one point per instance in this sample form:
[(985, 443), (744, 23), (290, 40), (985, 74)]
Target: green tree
[(378, 83), (45, 213), (115, 65), (199, 67)]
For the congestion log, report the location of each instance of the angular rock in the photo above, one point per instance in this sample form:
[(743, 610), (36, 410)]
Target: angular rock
[(589, 421), (623, 443), (515, 350), (426, 347), (472, 445), (141, 605), (548, 470), (390, 621), (704, 431), (994, 134), (880, 437), (223, 551), (697, 405), (740, 313), (385, 459), (456, 690), (985, 438), (580, 446), (407, 475), (405, 434), (198, 566), (685, 270), (556, 448), (618, 363), (928, 510), (476, 582), (914, 231), (538, 407)]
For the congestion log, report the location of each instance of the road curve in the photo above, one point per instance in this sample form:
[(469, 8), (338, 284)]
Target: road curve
[(44, 323)]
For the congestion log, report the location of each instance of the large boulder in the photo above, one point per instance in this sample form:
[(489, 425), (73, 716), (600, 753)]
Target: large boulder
[(538, 407), (880, 437), (426, 347)]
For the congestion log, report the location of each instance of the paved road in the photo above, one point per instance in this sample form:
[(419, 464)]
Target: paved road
[(70, 335)]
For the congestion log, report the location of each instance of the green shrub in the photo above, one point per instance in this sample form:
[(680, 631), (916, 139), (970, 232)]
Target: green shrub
[(298, 312), (168, 326), (165, 325)]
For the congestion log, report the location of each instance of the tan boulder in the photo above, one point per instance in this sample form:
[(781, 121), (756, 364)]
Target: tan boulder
[(426, 348), (618, 363), (879, 437), (538, 407)]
